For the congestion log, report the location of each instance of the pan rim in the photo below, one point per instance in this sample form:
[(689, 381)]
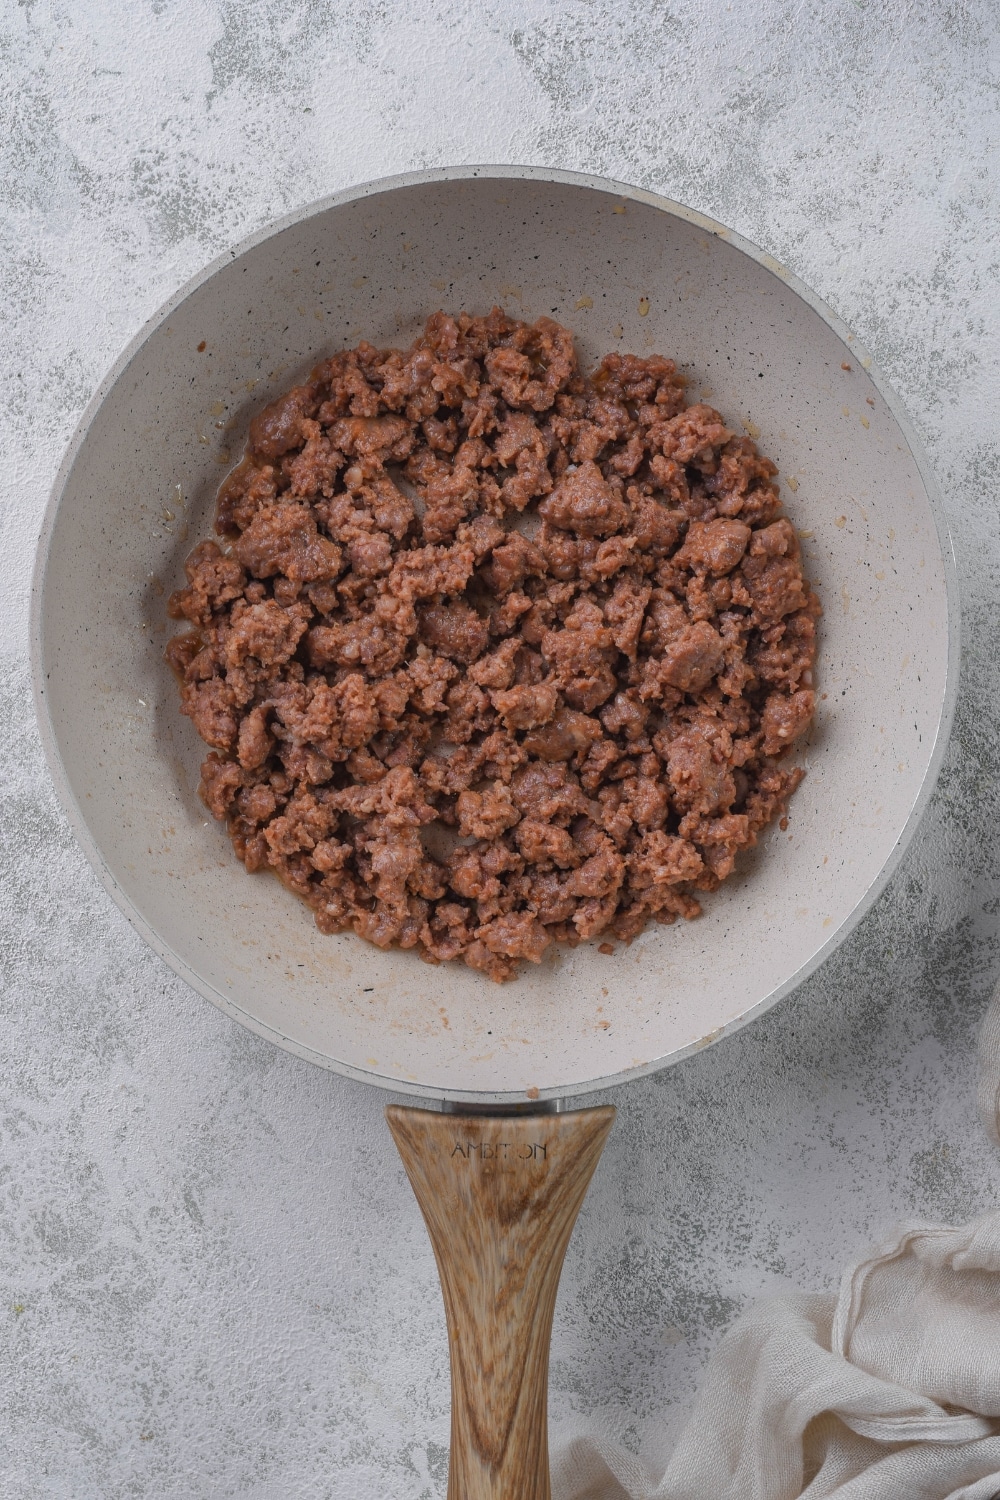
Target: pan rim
[(519, 173)]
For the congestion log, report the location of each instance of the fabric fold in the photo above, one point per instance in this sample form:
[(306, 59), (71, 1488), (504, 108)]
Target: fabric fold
[(887, 1390)]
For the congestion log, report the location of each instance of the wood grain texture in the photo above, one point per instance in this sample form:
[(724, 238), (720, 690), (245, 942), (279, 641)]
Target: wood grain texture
[(500, 1196)]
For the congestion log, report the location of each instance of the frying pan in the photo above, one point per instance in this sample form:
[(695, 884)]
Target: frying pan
[(623, 269)]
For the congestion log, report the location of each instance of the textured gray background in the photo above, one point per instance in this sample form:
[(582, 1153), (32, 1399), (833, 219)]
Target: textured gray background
[(213, 1278)]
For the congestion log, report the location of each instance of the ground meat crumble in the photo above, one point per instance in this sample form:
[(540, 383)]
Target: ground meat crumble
[(495, 654)]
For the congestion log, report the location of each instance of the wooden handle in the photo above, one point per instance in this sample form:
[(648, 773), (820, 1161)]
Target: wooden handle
[(500, 1196)]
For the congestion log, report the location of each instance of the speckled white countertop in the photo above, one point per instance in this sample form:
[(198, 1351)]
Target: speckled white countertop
[(213, 1278)]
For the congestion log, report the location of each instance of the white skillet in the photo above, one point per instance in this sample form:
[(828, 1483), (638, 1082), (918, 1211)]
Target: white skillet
[(624, 269)]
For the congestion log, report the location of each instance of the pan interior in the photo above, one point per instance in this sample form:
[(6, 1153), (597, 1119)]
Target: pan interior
[(623, 272)]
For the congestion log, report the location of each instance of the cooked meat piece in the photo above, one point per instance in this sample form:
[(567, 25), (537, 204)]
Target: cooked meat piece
[(214, 581), (370, 554), (526, 707), (713, 547), (265, 631), (455, 630), (569, 733), (486, 815), (624, 613), (661, 859), (363, 437), (279, 427), (543, 844), (220, 781), (284, 539), (585, 502), (701, 779), (513, 562), (517, 935), (691, 661), (784, 718)]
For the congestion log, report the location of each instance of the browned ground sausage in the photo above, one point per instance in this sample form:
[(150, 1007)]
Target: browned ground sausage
[(559, 617)]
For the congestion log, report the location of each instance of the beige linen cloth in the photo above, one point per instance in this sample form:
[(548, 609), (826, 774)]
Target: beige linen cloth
[(888, 1389)]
